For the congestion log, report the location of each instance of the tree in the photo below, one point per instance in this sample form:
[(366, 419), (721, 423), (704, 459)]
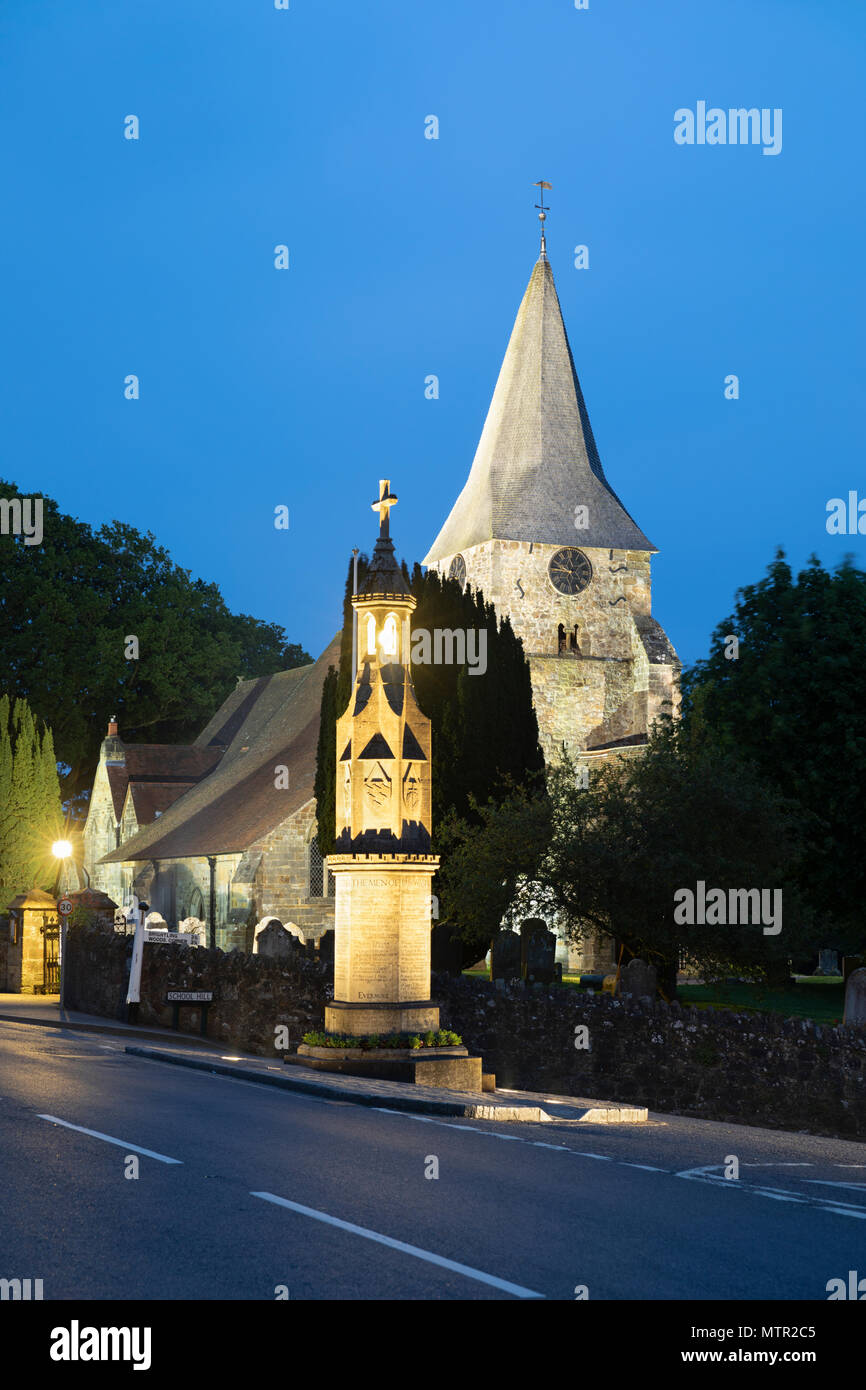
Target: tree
[(651, 826), (30, 812), (791, 701), (67, 608)]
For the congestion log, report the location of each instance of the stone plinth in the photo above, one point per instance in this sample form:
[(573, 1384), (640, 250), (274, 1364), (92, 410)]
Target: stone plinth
[(382, 924), (450, 1068)]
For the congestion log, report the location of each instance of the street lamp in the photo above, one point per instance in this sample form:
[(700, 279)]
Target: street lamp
[(62, 851)]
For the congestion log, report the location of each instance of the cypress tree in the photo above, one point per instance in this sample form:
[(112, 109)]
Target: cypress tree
[(30, 807)]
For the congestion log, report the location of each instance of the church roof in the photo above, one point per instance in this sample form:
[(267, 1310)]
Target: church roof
[(271, 722), (537, 459)]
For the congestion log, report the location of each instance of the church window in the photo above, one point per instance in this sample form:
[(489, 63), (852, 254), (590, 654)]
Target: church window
[(371, 634), (560, 639)]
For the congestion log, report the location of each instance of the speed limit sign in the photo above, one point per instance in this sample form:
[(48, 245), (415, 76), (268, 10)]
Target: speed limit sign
[(64, 907)]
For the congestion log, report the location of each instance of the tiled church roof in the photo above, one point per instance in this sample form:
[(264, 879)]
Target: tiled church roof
[(274, 721), (537, 458)]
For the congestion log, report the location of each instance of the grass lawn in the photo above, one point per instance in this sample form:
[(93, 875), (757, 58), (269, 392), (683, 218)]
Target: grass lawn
[(819, 997)]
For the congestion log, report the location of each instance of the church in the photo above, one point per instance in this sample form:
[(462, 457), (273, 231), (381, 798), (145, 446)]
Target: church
[(224, 829), (539, 529)]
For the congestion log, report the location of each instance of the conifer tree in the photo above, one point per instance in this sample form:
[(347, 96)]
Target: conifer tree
[(30, 808)]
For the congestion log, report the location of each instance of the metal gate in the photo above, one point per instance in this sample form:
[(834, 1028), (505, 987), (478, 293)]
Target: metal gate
[(50, 930)]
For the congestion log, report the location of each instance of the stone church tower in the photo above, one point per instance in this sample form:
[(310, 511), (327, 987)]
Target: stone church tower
[(540, 530)]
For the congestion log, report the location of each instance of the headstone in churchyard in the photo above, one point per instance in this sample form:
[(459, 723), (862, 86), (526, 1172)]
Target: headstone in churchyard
[(326, 947), (506, 956), (538, 951), (446, 950), (638, 978), (154, 921), (855, 1000), (195, 929), (828, 963), (260, 927), (274, 941)]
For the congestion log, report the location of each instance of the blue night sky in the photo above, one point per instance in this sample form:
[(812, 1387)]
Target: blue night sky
[(409, 257)]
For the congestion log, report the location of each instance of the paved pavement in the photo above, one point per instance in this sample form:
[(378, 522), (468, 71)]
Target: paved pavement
[(127, 1178), (185, 1049)]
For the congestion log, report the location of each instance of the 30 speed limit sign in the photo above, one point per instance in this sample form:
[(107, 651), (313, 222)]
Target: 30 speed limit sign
[(64, 907)]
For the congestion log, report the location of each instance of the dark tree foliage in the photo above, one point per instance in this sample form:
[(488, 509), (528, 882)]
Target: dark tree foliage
[(792, 703), (484, 729), (68, 604)]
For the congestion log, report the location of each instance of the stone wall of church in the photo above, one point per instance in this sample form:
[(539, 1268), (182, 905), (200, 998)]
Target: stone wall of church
[(283, 881), (100, 838), (609, 681)]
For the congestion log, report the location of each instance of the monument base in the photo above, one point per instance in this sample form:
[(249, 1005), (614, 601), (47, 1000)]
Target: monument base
[(450, 1068), (358, 1020)]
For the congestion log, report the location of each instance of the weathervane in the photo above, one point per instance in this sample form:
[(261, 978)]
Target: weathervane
[(542, 216)]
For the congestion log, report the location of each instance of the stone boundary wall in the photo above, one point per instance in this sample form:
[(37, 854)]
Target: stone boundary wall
[(756, 1069), (252, 994)]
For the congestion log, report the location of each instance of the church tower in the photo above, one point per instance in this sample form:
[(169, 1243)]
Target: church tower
[(541, 531)]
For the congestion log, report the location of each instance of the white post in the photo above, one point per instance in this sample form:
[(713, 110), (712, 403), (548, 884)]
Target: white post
[(133, 993)]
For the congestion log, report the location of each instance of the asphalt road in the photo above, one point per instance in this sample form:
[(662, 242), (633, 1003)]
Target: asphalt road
[(270, 1190)]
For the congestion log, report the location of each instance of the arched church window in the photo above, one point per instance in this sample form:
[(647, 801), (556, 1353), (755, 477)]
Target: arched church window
[(560, 639), (316, 878), (573, 643), (389, 636), (371, 634)]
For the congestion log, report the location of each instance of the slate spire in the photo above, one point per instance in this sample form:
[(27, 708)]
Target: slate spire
[(537, 459)]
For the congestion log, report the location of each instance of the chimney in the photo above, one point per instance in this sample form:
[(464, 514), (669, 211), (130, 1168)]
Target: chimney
[(112, 726)]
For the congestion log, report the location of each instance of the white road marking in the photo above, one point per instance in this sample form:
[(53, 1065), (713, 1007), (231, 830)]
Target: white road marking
[(825, 1182), (467, 1270), (647, 1167), (606, 1158), (121, 1143)]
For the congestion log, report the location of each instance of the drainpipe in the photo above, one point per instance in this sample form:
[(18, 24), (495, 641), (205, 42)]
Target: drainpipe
[(211, 859)]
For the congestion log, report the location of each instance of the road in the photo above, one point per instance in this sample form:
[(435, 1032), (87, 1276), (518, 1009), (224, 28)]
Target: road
[(242, 1190)]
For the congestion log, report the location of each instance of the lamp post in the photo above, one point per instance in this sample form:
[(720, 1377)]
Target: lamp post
[(62, 851)]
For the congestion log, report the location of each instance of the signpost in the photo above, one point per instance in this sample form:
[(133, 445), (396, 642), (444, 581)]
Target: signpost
[(64, 908), (178, 997)]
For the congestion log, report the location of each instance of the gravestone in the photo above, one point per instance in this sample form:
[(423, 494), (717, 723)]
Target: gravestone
[(828, 963), (274, 941), (506, 956), (538, 951), (326, 947), (446, 950), (154, 921), (638, 978), (195, 929), (855, 1000)]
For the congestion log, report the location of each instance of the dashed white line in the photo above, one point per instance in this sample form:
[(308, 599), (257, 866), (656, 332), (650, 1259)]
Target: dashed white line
[(109, 1139), (517, 1289)]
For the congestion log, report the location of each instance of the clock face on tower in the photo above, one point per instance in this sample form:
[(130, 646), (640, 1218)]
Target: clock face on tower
[(569, 570), (457, 570)]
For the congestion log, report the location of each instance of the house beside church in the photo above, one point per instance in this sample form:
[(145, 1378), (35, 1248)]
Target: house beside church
[(229, 817)]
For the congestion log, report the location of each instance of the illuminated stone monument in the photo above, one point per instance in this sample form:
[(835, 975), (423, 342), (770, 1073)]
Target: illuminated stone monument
[(383, 868)]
